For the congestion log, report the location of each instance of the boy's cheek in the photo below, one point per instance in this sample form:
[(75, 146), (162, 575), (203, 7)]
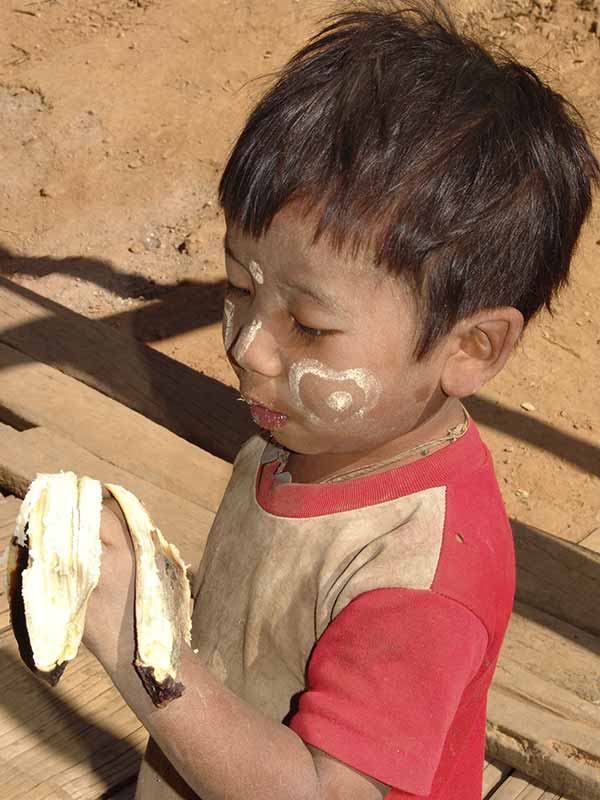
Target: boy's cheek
[(332, 397), (326, 404)]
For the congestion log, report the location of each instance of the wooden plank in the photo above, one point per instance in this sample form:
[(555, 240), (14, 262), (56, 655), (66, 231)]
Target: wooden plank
[(84, 679), (494, 773), (512, 788), (75, 741), (555, 651), (534, 792), (92, 783), (192, 405), (544, 704), (121, 769), (592, 541), (98, 706), (25, 453), (518, 787), (125, 793), (549, 569), (44, 397), (18, 785), (563, 753), (9, 506)]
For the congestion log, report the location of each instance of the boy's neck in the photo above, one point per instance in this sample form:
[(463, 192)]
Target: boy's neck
[(325, 466)]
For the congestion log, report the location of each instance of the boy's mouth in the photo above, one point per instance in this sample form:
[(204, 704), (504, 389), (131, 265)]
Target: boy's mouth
[(265, 417)]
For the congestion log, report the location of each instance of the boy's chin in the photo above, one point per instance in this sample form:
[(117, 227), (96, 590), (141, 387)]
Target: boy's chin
[(307, 444), (289, 437)]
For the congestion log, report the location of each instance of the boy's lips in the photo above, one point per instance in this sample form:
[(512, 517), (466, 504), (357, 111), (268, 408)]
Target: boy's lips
[(264, 416)]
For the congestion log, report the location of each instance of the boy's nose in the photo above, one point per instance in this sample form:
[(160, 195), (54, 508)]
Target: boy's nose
[(256, 350)]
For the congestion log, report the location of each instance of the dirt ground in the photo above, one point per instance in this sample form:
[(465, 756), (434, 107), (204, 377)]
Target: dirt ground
[(116, 117)]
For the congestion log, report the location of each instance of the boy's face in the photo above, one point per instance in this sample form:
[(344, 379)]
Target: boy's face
[(322, 343)]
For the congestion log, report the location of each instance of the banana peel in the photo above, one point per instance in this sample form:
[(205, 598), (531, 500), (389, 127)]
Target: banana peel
[(54, 564)]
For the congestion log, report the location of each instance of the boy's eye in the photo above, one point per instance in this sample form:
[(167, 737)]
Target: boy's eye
[(306, 332), (239, 290)]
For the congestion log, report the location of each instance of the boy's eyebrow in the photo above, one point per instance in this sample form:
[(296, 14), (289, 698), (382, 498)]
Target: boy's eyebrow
[(327, 301)]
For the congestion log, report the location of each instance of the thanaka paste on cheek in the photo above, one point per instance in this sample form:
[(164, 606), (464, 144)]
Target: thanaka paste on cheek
[(228, 312), (338, 401), (245, 339), (256, 272)]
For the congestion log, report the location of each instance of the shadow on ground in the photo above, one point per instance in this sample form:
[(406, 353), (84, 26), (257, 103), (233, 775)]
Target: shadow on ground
[(569, 448), (116, 362)]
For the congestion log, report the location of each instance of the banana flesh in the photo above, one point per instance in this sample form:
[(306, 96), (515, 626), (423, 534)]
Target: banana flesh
[(163, 603), (53, 566)]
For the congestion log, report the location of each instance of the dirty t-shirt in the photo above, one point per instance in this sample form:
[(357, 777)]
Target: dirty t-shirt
[(367, 615)]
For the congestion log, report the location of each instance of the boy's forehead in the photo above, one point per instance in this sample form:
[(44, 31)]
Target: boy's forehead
[(351, 286), (289, 245), (354, 289)]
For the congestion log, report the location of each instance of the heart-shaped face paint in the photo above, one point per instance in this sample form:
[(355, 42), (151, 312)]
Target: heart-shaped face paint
[(368, 388)]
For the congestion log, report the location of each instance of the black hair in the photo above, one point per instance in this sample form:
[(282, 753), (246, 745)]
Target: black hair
[(461, 171)]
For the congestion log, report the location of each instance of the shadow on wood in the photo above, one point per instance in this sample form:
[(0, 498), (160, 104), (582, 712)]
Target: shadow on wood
[(79, 739), (190, 404), (558, 577)]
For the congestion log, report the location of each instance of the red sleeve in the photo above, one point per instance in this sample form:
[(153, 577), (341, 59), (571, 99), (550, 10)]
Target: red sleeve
[(384, 682)]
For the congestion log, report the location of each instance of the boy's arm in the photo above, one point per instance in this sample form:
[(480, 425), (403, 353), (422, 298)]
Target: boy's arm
[(219, 744)]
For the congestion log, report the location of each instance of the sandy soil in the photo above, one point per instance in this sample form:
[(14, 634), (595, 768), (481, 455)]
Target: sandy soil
[(115, 120)]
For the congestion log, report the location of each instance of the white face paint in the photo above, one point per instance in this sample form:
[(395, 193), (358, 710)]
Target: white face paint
[(245, 339), (256, 272), (228, 312), (339, 401)]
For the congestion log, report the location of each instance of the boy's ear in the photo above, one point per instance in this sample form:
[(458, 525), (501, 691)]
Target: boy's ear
[(478, 348)]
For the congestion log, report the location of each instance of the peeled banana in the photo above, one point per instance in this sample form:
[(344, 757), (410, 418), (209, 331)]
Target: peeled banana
[(53, 566)]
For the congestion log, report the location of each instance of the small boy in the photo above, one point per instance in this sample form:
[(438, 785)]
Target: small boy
[(398, 206)]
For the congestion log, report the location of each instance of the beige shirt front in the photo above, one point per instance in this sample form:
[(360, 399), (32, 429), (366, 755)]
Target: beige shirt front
[(268, 586)]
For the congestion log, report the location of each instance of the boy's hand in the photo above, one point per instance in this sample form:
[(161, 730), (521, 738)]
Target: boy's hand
[(109, 623)]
